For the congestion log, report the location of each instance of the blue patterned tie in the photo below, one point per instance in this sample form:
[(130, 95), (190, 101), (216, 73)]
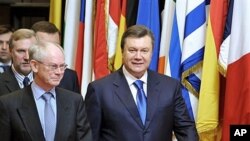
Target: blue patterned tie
[(141, 100), (26, 81), (49, 118)]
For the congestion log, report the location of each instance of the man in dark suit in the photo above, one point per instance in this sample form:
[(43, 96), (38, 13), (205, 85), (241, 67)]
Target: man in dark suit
[(42, 111), (136, 104), (5, 57), (49, 32), (14, 77)]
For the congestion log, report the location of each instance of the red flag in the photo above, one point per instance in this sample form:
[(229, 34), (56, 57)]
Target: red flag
[(80, 48), (237, 97), (100, 42)]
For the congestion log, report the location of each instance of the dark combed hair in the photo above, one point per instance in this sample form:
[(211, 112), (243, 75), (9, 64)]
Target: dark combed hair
[(6, 28), (136, 31), (45, 26)]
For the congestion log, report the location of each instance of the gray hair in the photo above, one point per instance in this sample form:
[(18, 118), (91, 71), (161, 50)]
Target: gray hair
[(39, 50)]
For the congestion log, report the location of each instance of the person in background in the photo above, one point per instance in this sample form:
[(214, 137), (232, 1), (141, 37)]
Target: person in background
[(5, 57), (135, 103), (42, 111), (46, 31), (19, 74)]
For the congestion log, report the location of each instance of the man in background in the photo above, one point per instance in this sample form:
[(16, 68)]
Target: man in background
[(46, 31), (19, 74), (5, 57), (42, 111)]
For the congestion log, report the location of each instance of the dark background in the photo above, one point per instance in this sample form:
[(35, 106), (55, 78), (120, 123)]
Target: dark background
[(23, 13)]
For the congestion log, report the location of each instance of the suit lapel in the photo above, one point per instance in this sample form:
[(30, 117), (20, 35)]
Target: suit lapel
[(123, 92), (29, 115), (11, 82), (152, 97), (62, 114)]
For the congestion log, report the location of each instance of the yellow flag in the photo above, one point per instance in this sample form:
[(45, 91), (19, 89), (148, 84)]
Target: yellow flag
[(55, 13)]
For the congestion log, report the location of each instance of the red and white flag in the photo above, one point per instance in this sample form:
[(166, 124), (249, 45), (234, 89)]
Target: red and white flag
[(237, 97)]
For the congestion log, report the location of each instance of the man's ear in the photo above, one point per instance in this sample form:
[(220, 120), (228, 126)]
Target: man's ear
[(34, 66)]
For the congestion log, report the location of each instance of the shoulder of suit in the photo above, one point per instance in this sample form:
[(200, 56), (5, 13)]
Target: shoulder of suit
[(13, 95), (7, 74), (70, 70), (66, 92), (162, 76)]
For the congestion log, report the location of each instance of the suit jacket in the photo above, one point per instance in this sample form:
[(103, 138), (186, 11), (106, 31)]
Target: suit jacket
[(8, 82), (70, 81), (19, 119), (114, 116)]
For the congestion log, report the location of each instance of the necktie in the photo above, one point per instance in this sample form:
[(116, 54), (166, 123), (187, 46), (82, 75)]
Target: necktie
[(49, 118), (26, 81), (141, 100), (4, 68)]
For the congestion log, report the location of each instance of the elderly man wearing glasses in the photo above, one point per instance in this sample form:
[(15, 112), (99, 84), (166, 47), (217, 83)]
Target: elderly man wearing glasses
[(42, 111)]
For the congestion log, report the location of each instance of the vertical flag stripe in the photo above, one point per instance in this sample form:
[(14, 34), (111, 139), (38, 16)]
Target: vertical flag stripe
[(167, 18), (122, 28), (88, 47), (55, 13), (80, 47), (237, 97), (100, 46), (224, 49), (113, 24), (71, 19), (148, 15), (208, 122)]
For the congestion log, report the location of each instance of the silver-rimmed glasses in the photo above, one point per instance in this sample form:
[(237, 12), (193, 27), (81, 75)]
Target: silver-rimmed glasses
[(54, 67)]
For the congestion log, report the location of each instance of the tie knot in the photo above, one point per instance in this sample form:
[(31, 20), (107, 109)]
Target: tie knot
[(47, 96), (4, 68), (26, 81), (139, 84)]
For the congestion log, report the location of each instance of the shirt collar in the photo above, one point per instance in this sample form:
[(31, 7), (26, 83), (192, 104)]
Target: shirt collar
[(38, 91), (21, 77), (5, 64), (131, 79)]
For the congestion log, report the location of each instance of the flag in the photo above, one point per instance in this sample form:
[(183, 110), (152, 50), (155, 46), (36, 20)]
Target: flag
[(148, 15), (237, 97), (71, 19), (122, 28), (187, 49), (55, 13), (131, 12), (80, 47), (100, 41), (208, 108), (224, 49), (87, 68), (167, 16), (113, 25)]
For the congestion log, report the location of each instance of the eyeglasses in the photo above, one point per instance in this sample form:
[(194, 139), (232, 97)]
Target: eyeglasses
[(54, 67)]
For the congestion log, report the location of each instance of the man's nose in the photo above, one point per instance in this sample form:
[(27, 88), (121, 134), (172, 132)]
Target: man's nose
[(138, 54), (5, 45), (26, 56)]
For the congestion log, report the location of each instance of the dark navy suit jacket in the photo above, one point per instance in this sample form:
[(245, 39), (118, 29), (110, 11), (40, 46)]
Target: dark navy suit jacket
[(114, 116)]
